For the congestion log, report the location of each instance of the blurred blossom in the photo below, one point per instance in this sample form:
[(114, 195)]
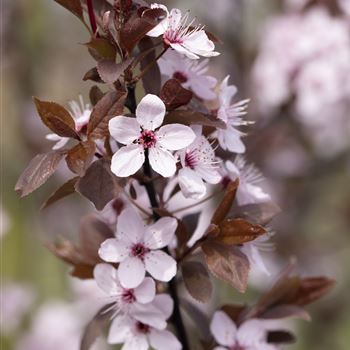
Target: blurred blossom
[(304, 59), (15, 301)]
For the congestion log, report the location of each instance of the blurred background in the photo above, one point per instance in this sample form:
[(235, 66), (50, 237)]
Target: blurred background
[(292, 58)]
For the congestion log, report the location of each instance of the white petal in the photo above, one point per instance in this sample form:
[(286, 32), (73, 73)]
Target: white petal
[(136, 342), (160, 265), (165, 304), (119, 330), (150, 112), (226, 92), (231, 139), (127, 160), (130, 227), (163, 25), (113, 250), (131, 272), (191, 184), (146, 291), (251, 332), (210, 175), (106, 278), (175, 136), (124, 129), (162, 161), (223, 329), (181, 49), (232, 169), (148, 314), (161, 340), (160, 234), (174, 18), (199, 43)]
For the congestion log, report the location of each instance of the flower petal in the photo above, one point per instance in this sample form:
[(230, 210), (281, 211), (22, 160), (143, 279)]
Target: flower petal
[(251, 332), (106, 278), (231, 139), (146, 291), (160, 265), (113, 250), (124, 129), (130, 227), (165, 304), (184, 51), (127, 160), (119, 330), (191, 184), (136, 342), (150, 112), (148, 314), (162, 161), (160, 234), (164, 339), (223, 329), (131, 272), (175, 136)]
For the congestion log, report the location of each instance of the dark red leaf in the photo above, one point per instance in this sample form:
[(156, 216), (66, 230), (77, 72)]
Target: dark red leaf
[(101, 48), (110, 71), (174, 95), (80, 156), (95, 95), (73, 6)]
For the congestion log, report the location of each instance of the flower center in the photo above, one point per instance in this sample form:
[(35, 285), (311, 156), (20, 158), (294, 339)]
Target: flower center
[(148, 139), (237, 347), (139, 251), (225, 181), (190, 160), (142, 328), (180, 76), (128, 296)]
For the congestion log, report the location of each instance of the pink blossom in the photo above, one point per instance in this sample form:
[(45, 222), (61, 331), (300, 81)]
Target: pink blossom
[(140, 134), (180, 34), (250, 335), (137, 249), (191, 74)]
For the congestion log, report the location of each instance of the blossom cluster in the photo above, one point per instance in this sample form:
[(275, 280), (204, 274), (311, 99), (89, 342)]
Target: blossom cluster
[(307, 56), (173, 192)]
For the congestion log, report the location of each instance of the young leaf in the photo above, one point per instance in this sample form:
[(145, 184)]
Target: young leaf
[(92, 74), (189, 117), (95, 327), (65, 190), (39, 169), (226, 203), (73, 6), (109, 106), (98, 184), (174, 95), (233, 311), (56, 118), (286, 311), (101, 48), (110, 71), (152, 79), (80, 156), (197, 280), (239, 231), (227, 263)]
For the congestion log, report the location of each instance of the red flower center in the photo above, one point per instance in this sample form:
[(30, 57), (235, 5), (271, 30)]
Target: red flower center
[(190, 160), (148, 139), (139, 251), (180, 76), (142, 328), (237, 347), (128, 296)]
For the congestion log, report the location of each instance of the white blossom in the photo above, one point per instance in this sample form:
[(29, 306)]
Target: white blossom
[(198, 165), (190, 73), (136, 335), (250, 335), (140, 134), (249, 191), (231, 114), (181, 34), (137, 249)]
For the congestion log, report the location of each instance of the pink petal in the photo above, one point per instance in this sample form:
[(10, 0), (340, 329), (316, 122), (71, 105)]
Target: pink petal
[(106, 278), (131, 272), (231, 139), (191, 184), (175, 136), (165, 304), (174, 18), (160, 265), (124, 129), (223, 329), (160, 234), (130, 227), (164, 339), (148, 314), (136, 342), (113, 250), (127, 160), (119, 330), (150, 112), (146, 291), (251, 332), (188, 53), (226, 92), (162, 161)]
